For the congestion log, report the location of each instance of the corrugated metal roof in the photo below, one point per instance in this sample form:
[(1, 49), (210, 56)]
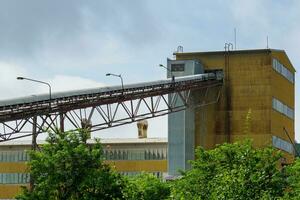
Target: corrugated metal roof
[(91, 141)]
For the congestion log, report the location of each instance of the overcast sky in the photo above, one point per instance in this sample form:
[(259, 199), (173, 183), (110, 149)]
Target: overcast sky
[(73, 44)]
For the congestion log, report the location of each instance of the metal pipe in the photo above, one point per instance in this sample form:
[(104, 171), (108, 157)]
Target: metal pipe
[(234, 38), (293, 143)]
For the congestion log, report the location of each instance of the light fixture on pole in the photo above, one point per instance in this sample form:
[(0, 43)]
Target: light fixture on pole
[(173, 77), (37, 81), (34, 121), (117, 75)]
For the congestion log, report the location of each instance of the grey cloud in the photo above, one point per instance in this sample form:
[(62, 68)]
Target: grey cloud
[(25, 24), (129, 20), (27, 27)]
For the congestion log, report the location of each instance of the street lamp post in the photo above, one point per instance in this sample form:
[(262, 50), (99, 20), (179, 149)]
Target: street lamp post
[(173, 77), (34, 123), (37, 81), (34, 133), (117, 75)]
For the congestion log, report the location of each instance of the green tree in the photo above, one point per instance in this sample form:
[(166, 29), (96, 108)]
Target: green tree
[(146, 187), (233, 171), (68, 168), (293, 171)]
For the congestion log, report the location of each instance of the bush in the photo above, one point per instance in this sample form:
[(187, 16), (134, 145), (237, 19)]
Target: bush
[(233, 171), (67, 168), (146, 187)]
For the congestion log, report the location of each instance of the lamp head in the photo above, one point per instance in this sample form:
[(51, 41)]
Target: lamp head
[(20, 78), (160, 65), (108, 74)]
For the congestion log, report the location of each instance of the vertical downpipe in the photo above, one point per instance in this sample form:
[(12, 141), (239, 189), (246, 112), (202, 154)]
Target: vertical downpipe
[(227, 93)]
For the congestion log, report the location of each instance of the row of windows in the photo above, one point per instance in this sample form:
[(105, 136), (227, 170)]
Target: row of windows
[(282, 144), (121, 154), (135, 154), (281, 69), (24, 178), (14, 178), (13, 156), (282, 108), (157, 174)]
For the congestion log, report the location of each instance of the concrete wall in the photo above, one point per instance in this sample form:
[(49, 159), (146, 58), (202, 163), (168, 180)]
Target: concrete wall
[(285, 92), (249, 86)]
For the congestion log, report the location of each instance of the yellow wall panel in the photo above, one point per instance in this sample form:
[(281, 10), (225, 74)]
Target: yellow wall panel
[(140, 165), (282, 89), (13, 167), (9, 191), (260, 140), (279, 121)]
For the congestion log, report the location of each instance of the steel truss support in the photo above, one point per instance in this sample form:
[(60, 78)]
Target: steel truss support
[(106, 108), (101, 116)]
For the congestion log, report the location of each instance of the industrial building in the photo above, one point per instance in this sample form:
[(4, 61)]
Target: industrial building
[(128, 156), (256, 101)]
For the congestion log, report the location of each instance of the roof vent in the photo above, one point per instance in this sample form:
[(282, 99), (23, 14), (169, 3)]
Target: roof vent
[(142, 128)]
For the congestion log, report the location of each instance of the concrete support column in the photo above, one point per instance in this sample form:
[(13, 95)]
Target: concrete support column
[(61, 122), (181, 125), (33, 146), (181, 140)]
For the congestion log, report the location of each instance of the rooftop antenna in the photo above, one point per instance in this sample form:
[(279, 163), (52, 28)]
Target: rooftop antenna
[(234, 38), (267, 42)]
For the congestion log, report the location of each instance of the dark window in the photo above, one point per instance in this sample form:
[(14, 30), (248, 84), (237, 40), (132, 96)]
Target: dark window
[(177, 67)]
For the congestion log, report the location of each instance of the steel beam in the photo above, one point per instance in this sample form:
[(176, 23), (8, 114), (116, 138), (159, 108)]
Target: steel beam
[(104, 110)]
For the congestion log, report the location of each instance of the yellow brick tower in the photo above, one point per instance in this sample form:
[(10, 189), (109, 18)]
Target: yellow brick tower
[(257, 99)]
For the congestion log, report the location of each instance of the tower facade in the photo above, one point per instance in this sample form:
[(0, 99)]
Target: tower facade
[(256, 101)]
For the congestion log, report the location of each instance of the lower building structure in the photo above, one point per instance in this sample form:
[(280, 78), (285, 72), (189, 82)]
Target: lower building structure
[(127, 156)]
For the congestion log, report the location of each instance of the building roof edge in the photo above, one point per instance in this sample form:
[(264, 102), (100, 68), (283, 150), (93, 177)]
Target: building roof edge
[(242, 51)]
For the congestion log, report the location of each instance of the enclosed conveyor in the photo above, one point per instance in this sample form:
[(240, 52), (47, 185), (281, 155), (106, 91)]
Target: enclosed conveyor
[(24, 109)]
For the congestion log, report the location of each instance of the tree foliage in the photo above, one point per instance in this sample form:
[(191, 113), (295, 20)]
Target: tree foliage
[(67, 168), (146, 187), (233, 171), (293, 179)]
